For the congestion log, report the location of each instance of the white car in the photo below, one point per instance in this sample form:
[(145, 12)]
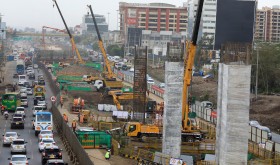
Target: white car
[(18, 145), (19, 160), (131, 69), (20, 83), (35, 66), (42, 104), (20, 110), (23, 89), (161, 85), (150, 81), (9, 137), (24, 102), (29, 91), (45, 142), (45, 134), (36, 109)]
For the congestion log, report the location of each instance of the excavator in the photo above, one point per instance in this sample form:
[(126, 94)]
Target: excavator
[(80, 60), (109, 78), (190, 130)]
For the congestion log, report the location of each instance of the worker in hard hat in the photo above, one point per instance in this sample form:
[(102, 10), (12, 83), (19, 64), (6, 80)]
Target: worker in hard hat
[(74, 125), (65, 118), (107, 155)]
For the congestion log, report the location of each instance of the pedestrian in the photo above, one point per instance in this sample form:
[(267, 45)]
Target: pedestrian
[(74, 125), (148, 92), (65, 117), (107, 155)]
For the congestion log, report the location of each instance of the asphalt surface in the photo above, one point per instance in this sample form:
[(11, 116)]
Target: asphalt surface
[(27, 133)]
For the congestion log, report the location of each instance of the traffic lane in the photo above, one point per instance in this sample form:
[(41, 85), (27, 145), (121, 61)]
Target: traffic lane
[(58, 141)]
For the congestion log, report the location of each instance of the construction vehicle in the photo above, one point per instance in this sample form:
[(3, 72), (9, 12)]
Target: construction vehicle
[(190, 129), (81, 61), (39, 90), (120, 95), (110, 79), (78, 104)]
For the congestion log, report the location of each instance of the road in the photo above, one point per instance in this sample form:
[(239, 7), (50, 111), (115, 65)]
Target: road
[(27, 133)]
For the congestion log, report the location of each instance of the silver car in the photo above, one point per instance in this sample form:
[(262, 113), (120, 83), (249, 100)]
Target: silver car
[(9, 137), (18, 160), (20, 110), (18, 146)]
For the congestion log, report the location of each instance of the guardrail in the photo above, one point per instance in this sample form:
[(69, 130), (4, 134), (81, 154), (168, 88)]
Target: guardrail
[(70, 141)]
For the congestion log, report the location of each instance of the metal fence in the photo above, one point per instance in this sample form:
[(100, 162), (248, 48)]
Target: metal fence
[(73, 147)]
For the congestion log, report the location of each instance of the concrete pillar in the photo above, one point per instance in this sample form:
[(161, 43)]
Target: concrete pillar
[(172, 116), (233, 114)]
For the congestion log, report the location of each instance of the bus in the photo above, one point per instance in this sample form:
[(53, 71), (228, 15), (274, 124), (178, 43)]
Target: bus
[(20, 67), (43, 121), (10, 101)]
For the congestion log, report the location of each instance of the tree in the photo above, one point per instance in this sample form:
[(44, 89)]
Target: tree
[(115, 50)]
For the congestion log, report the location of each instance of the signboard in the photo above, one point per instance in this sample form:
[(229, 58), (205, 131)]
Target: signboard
[(174, 161), (131, 21), (53, 98)]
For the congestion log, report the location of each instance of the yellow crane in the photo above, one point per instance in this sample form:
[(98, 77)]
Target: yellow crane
[(81, 61)]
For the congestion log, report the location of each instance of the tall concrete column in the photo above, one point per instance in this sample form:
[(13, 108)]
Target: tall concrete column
[(233, 114), (172, 116)]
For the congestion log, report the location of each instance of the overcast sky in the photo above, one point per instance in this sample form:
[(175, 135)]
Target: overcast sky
[(38, 13)]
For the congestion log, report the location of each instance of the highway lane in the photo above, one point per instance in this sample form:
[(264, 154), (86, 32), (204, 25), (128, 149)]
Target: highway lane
[(27, 133)]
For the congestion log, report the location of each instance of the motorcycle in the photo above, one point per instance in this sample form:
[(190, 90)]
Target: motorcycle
[(6, 116)]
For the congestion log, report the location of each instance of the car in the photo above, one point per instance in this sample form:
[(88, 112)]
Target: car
[(38, 98), (41, 82), (22, 89), (150, 81), (28, 72), (31, 76), (56, 162), (124, 67), (20, 83), (15, 75), (45, 142), (27, 84), (17, 122), (24, 102), (8, 137), (51, 152), (161, 85), (19, 160), (29, 68), (266, 129), (43, 104), (20, 110), (18, 146), (35, 66), (45, 134), (29, 91), (254, 123), (23, 95), (36, 109), (131, 69)]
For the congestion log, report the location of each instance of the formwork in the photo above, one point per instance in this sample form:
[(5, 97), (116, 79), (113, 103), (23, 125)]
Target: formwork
[(94, 139)]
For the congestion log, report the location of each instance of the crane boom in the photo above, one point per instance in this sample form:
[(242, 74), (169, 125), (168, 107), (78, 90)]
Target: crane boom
[(43, 34), (110, 74), (189, 62), (81, 61)]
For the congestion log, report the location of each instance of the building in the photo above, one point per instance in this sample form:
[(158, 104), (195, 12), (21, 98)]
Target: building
[(152, 16), (88, 25), (267, 27), (208, 19), (157, 41)]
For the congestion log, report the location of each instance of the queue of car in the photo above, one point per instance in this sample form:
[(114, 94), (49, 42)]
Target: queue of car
[(50, 152)]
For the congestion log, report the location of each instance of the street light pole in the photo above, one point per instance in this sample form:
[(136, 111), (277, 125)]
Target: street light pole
[(257, 74)]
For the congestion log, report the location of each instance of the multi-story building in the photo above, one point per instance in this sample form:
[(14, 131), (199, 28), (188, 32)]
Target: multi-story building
[(88, 25), (267, 27), (152, 16), (208, 19)]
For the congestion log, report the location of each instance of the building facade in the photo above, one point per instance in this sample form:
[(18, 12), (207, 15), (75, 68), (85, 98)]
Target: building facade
[(267, 27), (152, 16), (88, 25), (208, 19)]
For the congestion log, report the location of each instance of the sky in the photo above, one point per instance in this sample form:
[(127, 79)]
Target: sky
[(38, 13)]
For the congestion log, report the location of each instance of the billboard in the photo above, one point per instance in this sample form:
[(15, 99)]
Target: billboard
[(234, 22)]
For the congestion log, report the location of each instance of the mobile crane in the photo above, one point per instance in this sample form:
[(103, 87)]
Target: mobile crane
[(109, 76), (189, 128), (81, 61)]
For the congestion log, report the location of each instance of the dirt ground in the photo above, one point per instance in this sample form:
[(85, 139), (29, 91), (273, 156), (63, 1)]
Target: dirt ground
[(265, 109)]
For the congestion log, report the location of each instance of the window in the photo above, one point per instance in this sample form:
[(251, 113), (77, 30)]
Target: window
[(132, 128)]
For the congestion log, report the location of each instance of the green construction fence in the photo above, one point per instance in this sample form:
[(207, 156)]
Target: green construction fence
[(94, 139)]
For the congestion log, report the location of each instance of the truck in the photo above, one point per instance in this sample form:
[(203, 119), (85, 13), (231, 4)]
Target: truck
[(136, 129)]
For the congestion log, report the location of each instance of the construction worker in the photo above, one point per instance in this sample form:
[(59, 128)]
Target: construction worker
[(65, 117), (82, 103), (81, 117), (107, 155), (61, 101), (74, 125)]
